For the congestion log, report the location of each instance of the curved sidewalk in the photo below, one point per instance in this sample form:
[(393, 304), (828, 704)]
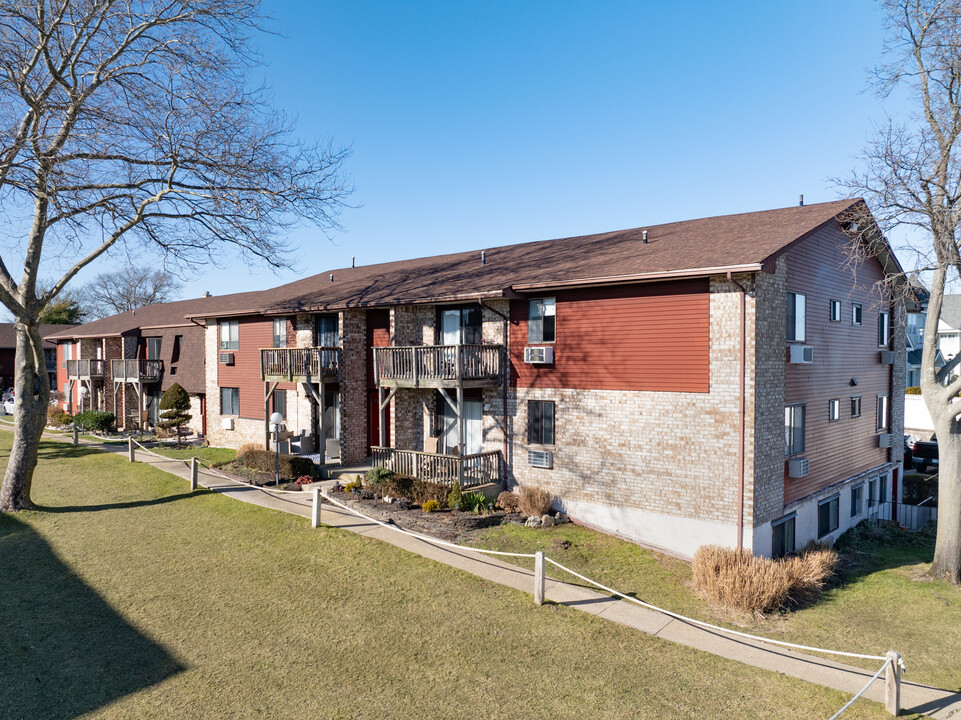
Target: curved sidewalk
[(915, 698)]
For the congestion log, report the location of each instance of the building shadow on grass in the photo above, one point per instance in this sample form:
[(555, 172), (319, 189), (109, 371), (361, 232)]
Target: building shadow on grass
[(118, 505), (64, 651)]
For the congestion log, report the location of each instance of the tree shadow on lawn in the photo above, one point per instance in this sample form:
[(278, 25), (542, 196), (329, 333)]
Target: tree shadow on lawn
[(118, 505), (64, 651)]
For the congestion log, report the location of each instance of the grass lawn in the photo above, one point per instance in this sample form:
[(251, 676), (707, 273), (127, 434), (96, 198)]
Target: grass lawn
[(126, 596), (884, 604), (208, 455)]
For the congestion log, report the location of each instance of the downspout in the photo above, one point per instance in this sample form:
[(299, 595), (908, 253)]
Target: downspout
[(506, 369), (745, 293)]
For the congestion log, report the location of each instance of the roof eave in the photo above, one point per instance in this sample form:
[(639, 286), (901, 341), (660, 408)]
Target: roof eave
[(640, 277)]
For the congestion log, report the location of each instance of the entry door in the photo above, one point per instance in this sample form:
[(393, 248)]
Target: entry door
[(473, 431)]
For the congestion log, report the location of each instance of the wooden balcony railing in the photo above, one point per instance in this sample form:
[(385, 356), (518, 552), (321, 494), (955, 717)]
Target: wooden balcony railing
[(84, 369), (439, 365), (299, 364), (136, 370), (469, 470)]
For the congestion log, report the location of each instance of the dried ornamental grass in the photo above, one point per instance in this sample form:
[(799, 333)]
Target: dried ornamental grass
[(507, 501), (738, 579), (534, 501)]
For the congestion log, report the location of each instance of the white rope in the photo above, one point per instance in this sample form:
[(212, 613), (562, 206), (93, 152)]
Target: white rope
[(850, 702), (425, 538), (709, 625)]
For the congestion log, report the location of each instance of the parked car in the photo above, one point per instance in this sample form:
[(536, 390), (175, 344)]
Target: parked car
[(7, 395), (8, 406), (926, 453)]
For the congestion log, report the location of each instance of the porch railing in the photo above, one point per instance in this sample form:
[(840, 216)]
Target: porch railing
[(136, 370), (468, 470), (913, 517), (292, 363), (451, 363), (84, 368)]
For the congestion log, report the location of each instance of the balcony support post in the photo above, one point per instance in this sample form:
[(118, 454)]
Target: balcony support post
[(268, 393)]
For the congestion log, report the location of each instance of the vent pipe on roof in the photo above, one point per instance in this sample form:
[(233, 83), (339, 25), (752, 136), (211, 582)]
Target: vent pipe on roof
[(207, 293), (483, 257), (353, 261), (331, 277), (644, 237), (801, 201)]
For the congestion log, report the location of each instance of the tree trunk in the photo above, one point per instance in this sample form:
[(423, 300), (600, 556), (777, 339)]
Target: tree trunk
[(947, 550), (32, 388)]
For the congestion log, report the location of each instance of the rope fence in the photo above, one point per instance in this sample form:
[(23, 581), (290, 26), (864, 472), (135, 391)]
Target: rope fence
[(861, 692)]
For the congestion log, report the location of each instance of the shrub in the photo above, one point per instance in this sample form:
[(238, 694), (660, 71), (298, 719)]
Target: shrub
[(62, 418), (913, 390), (421, 492), (455, 498), (534, 501), (507, 501), (304, 480), (264, 461), (378, 476), (247, 447), (173, 409), (52, 413), (99, 420), (476, 503), (738, 579), (354, 484), (430, 506)]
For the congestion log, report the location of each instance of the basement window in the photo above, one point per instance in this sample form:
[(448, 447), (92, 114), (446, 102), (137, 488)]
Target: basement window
[(782, 537), (828, 516)]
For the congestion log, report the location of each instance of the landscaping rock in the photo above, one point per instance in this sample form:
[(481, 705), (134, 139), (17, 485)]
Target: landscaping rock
[(547, 521), (561, 518), (533, 521)]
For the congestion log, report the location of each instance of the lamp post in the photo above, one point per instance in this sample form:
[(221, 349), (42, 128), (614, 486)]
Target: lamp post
[(276, 420)]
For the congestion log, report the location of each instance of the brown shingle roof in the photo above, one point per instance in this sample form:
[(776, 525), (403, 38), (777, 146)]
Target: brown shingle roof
[(8, 334)]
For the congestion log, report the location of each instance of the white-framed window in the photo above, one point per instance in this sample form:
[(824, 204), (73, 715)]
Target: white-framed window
[(793, 429), (280, 402), (855, 406), (229, 335), (834, 310), (280, 332), (782, 536), (229, 401), (828, 516), (884, 329), (542, 320), (872, 492), (796, 315), (857, 499), (882, 413), (834, 410), (857, 314)]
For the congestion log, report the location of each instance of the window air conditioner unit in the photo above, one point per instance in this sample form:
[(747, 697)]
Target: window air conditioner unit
[(539, 355), (227, 423), (884, 440), (226, 358), (797, 467), (802, 354), (887, 357), (540, 458)]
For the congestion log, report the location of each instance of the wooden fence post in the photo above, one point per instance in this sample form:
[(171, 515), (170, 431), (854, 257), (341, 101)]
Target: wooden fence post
[(315, 511), (194, 471), (892, 683), (130, 449), (539, 578)]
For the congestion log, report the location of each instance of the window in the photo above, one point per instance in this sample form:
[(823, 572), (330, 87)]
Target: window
[(793, 429), (175, 353), (857, 499), (883, 489), (280, 402), (834, 410), (542, 320), (884, 329), (855, 406), (795, 317), (229, 401), (882, 417), (856, 314), (229, 335), (835, 310), (783, 537), (461, 326), (540, 422), (326, 330), (872, 492), (828, 518), (153, 348), (280, 332)]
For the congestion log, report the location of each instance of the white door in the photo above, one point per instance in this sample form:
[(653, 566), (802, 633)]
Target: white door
[(473, 428), (450, 327)]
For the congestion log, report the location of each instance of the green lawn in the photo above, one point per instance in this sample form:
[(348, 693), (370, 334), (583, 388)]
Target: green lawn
[(125, 596), (884, 604), (207, 455)]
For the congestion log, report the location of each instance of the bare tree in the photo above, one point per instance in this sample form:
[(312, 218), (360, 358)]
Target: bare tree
[(134, 121), (128, 289), (912, 177)]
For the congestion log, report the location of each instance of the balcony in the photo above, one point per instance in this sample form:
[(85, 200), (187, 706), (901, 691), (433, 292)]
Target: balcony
[(469, 470), (136, 370), (439, 366), (85, 369), (301, 365)]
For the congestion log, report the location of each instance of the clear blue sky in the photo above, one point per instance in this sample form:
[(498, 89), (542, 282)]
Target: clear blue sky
[(480, 124)]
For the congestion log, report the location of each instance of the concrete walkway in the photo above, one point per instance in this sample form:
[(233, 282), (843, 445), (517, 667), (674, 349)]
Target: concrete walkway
[(915, 698)]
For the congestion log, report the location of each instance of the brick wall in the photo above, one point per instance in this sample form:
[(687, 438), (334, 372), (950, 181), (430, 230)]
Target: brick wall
[(353, 413)]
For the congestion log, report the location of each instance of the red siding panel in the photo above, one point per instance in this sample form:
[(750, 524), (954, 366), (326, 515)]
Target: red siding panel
[(644, 337), (820, 269), (254, 334)]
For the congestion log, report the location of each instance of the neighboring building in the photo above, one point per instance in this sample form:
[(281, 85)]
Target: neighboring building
[(8, 352), (949, 327), (725, 380)]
